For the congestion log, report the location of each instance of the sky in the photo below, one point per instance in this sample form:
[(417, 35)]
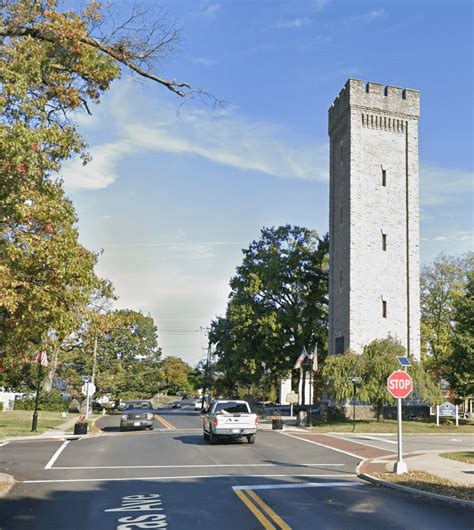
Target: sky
[(175, 192)]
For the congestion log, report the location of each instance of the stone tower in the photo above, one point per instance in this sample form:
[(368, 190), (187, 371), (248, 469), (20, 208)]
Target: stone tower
[(373, 217)]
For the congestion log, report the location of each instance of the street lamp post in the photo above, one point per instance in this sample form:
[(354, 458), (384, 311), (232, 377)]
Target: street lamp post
[(266, 375)]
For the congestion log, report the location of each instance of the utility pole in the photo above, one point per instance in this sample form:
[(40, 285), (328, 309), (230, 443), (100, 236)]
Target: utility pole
[(94, 361), (206, 373)]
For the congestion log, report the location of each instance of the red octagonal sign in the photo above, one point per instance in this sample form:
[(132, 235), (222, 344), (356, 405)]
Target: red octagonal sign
[(400, 384)]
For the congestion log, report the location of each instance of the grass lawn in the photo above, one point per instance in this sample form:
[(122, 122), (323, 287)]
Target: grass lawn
[(390, 426), (427, 482), (462, 456), (18, 423)]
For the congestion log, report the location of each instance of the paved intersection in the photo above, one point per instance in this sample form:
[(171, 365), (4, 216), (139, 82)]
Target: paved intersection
[(172, 478)]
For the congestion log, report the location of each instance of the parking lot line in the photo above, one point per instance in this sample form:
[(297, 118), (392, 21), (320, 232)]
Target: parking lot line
[(53, 459), (164, 422)]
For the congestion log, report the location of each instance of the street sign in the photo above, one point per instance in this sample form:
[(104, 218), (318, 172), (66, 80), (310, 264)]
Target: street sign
[(447, 410), (292, 398), (354, 379), (88, 389), (400, 384)]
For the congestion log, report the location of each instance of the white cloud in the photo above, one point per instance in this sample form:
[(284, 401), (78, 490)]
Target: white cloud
[(209, 8), (204, 61), (365, 18), (295, 23), (221, 136), (97, 174), (441, 186), (318, 5)]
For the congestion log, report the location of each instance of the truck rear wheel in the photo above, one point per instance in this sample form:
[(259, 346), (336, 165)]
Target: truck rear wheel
[(251, 439), (212, 438)]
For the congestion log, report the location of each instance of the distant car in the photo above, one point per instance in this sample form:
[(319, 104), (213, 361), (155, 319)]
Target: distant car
[(176, 405), (197, 405), (137, 415)]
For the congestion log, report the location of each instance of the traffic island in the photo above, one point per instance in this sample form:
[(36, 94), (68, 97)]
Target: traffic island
[(416, 482), (427, 482)]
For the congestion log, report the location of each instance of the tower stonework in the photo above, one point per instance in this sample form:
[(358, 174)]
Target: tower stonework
[(374, 217)]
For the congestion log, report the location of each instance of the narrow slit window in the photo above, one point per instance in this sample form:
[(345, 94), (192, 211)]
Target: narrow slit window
[(384, 177), (384, 242), (384, 308)]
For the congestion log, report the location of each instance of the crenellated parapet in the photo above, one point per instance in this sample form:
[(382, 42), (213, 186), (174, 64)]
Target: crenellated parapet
[(387, 101)]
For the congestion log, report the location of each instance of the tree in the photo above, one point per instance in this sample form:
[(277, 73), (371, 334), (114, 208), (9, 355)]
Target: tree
[(128, 356), (176, 375), (337, 369), (460, 364), (442, 283), (278, 304), (46, 278), (54, 63), (376, 363)]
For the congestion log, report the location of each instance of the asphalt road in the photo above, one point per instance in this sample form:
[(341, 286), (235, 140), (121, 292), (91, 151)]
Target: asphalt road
[(171, 478)]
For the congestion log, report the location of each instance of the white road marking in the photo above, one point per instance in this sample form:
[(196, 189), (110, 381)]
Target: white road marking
[(372, 438), (185, 466), (183, 477), (3, 444), (361, 443), (322, 445), (55, 456), (304, 485)]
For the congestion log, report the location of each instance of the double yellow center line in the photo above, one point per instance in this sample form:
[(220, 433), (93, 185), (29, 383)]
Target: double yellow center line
[(164, 422), (261, 510)]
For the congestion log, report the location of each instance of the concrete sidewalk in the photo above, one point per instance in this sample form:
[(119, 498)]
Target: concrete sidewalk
[(431, 462)]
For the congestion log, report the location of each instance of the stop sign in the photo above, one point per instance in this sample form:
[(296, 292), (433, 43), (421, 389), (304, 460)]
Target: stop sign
[(399, 384)]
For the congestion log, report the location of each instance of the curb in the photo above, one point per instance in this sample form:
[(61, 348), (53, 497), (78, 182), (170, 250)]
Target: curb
[(412, 491)]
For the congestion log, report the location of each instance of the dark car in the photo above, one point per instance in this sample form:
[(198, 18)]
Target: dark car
[(176, 405), (137, 415)]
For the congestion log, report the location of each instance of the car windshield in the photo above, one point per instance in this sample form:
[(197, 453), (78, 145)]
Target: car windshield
[(138, 405), (231, 407)]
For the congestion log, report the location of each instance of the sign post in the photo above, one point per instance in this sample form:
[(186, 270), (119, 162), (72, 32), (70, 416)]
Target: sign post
[(88, 389), (447, 410), (354, 380), (400, 385), (292, 398)]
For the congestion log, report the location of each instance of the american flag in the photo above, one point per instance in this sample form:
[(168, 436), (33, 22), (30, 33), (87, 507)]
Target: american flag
[(300, 359), (315, 359), (42, 358)]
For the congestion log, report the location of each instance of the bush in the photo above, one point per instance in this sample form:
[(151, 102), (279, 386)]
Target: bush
[(1, 405), (52, 401), (74, 405)]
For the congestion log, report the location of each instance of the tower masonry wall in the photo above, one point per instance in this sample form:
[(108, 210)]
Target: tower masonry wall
[(374, 219), (374, 96)]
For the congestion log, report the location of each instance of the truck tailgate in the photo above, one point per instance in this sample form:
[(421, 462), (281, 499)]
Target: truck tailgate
[(236, 421)]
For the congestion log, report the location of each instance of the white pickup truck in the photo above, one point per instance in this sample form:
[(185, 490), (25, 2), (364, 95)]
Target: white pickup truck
[(229, 418)]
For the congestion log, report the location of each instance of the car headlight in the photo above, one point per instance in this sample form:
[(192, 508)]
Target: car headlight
[(149, 416), (124, 417)]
